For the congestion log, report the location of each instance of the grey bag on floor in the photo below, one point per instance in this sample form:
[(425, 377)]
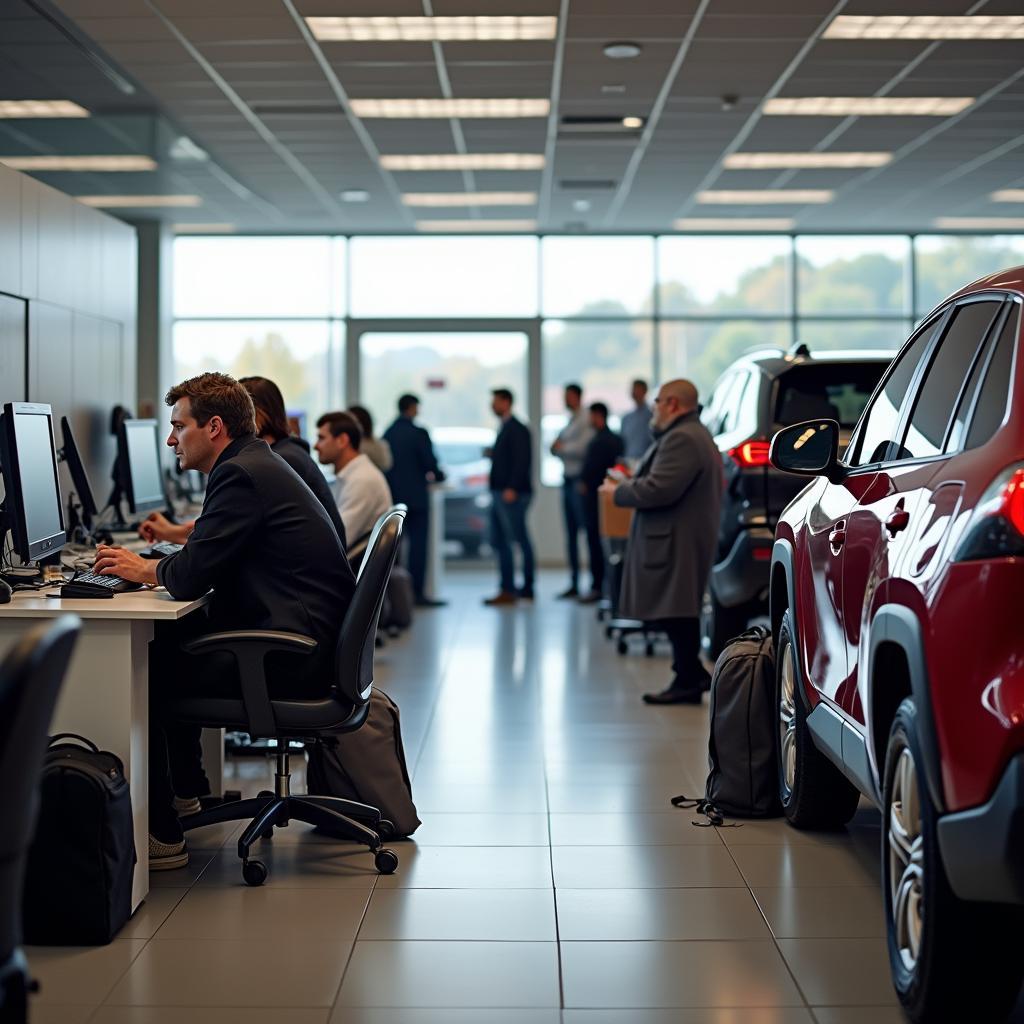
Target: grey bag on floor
[(368, 765), (743, 778)]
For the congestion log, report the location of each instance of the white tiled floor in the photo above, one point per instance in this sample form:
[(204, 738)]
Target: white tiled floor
[(551, 881)]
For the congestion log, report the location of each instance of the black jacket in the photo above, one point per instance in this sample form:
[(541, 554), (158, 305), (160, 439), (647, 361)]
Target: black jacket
[(266, 547), (414, 458), (290, 449), (602, 453), (512, 459)]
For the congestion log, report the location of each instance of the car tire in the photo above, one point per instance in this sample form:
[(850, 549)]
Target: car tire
[(719, 624), (814, 793), (950, 959)]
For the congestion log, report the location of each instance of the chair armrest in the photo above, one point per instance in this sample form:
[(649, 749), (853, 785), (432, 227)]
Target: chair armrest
[(249, 648)]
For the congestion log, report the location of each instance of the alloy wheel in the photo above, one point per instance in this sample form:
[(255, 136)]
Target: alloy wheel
[(787, 720), (906, 861)]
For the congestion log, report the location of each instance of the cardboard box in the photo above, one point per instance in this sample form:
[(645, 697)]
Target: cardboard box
[(614, 521)]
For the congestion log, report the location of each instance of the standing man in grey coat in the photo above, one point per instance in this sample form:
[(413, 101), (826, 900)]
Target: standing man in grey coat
[(677, 491)]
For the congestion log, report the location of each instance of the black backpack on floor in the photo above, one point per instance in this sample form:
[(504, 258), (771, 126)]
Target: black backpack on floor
[(78, 881), (743, 777)]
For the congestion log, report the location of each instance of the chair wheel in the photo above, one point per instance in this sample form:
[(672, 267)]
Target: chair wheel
[(254, 872), (622, 647), (386, 861), (609, 633)]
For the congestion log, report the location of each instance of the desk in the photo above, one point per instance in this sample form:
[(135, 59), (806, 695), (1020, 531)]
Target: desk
[(106, 694)]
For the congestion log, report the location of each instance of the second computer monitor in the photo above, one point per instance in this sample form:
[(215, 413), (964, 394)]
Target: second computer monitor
[(79, 477), (139, 452)]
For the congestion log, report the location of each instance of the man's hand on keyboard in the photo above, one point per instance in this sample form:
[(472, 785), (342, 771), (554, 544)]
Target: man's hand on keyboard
[(114, 561)]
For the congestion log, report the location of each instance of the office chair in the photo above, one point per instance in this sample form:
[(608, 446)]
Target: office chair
[(30, 679), (342, 710)]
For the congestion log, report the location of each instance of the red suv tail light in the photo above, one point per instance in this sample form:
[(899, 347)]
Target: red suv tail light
[(750, 454), (996, 529)]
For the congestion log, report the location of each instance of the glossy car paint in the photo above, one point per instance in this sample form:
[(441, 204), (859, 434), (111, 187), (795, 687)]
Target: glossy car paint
[(968, 614)]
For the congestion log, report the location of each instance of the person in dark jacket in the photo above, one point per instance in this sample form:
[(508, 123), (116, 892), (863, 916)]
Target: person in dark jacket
[(272, 557), (603, 450), (414, 466), (272, 427), (511, 484)]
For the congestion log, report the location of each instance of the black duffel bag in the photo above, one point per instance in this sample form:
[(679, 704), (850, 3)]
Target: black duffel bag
[(78, 881)]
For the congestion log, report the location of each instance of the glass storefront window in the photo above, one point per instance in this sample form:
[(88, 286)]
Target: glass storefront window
[(945, 263), (852, 275), (724, 275), (610, 276)]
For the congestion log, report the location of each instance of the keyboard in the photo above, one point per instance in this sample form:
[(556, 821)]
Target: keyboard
[(161, 549), (114, 584)]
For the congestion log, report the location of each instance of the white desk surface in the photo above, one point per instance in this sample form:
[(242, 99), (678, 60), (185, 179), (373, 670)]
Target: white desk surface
[(136, 604)]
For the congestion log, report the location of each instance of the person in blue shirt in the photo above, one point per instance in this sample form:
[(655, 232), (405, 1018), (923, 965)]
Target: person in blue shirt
[(636, 425)]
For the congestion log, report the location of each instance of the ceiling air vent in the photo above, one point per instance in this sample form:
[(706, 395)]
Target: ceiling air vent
[(586, 184)]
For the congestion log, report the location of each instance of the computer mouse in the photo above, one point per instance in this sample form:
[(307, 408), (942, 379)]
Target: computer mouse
[(5, 592)]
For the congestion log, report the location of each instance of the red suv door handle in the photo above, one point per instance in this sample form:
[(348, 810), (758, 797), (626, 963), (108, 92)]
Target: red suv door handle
[(897, 521), (837, 538)]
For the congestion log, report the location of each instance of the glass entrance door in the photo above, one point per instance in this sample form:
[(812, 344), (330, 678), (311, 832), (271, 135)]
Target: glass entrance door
[(452, 369)]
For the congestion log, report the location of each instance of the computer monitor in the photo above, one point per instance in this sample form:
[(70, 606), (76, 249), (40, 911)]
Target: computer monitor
[(138, 453), (73, 457), (32, 507)]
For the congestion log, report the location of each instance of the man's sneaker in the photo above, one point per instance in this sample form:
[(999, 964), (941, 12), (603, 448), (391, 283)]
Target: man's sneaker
[(186, 805), (166, 856)]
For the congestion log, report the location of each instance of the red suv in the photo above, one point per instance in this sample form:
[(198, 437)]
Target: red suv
[(897, 606)]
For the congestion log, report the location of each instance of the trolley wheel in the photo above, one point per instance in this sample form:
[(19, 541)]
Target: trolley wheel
[(254, 872), (649, 649), (609, 633), (386, 861), (622, 647)]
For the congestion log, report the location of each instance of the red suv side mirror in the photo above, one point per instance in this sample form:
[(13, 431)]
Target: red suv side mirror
[(810, 448)]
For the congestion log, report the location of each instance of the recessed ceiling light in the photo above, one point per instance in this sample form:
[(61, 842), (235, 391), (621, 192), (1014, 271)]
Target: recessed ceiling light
[(354, 195), (581, 205), (734, 224), (926, 26), (204, 229), (476, 225), (41, 108), (79, 163), (622, 50), (1008, 195), (613, 89), (767, 196), (451, 108), (185, 150), (139, 201), (463, 161), (632, 122), (868, 106), (448, 29), (980, 223), (469, 198), (774, 161)]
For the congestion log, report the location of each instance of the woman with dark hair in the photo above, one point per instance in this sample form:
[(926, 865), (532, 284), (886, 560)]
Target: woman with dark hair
[(272, 427), (376, 449)]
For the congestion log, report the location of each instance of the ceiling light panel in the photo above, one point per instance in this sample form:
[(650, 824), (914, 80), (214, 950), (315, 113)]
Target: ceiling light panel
[(927, 26), (462, 28), (469, 198), (41, 108), (733, 224), (204, 229), (79, 163), (139, 202), (463, 162), (482, 108), (476, 225), (779, 161), (765, 197), (1008, 195), (867, 106), (980, 223)]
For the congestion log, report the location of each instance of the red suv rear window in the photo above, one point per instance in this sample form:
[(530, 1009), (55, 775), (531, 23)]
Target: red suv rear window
[(832, 391)]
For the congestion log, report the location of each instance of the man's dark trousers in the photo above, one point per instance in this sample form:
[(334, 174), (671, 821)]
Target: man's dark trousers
[(573, 524), (508, 526), (417, 530), (591, 519), (684, 635)]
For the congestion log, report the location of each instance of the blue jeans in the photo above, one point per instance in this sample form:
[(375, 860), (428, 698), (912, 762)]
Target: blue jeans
[(508, 527)]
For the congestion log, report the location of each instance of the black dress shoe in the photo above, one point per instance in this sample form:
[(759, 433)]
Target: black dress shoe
[(429, 602), (570, 592), (592, 598), (525, 593), (675, 695)]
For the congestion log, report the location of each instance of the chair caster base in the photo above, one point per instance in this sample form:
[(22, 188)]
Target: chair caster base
[(254, 872), (386, 861)]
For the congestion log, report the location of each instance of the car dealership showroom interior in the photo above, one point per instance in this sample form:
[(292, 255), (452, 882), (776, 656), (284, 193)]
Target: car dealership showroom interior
[(511, 512)]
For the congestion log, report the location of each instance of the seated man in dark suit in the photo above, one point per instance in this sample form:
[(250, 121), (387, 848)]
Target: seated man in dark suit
[(273, 558)]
